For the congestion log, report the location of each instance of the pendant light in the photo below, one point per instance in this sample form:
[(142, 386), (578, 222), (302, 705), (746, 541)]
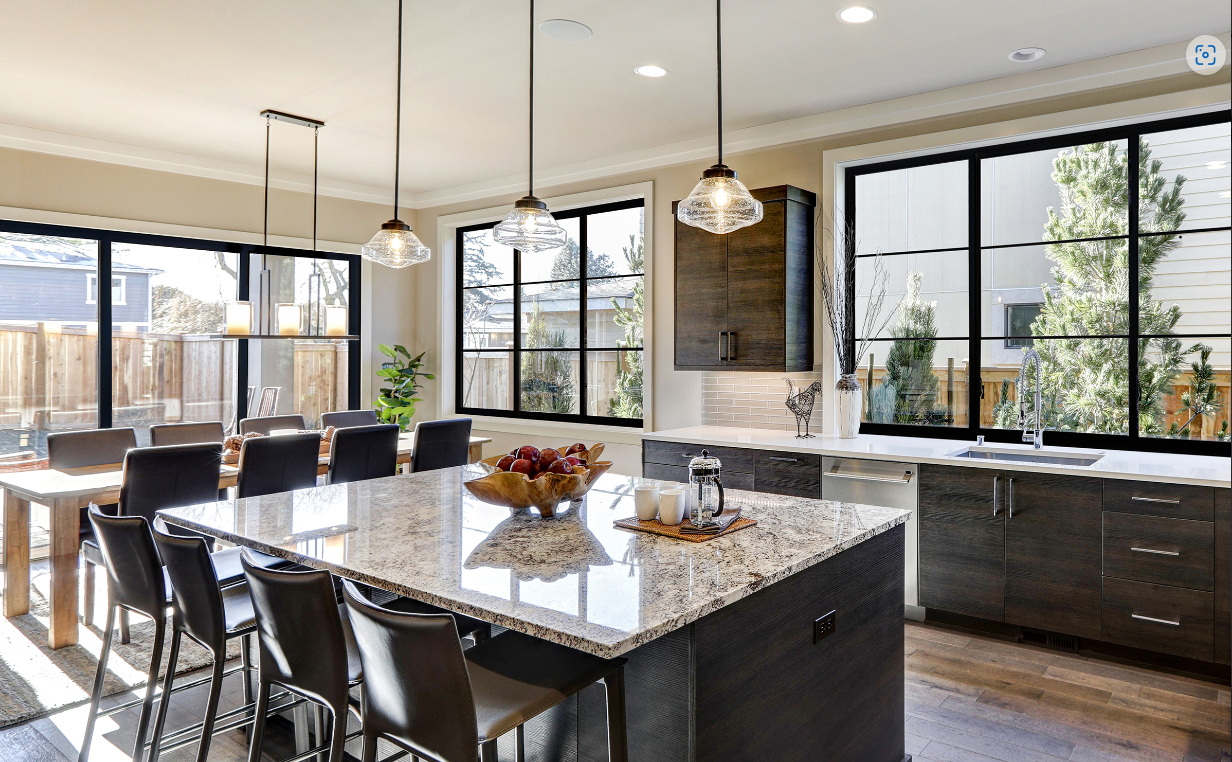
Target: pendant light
[(530, 227), (395, 244), (719, 203)]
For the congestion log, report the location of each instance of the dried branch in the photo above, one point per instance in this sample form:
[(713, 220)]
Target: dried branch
[(832, 283)]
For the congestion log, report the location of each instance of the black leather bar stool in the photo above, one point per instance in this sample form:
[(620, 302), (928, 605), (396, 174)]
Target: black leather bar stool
[(343, 419), (164, 434), (425, 694), (207, 613), (363, 452), (267, 423), (441, 444), (278, 464), (306, 646)]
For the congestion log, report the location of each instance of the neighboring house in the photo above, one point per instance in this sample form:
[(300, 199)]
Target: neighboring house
[(45, 282), (494, 328)]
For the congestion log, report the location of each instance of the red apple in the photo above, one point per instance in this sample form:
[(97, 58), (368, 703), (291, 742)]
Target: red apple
[(549, 455), (572, 461), (528, 453), (576, 447), (514, 451), (560, 467), (522, 466), (505, 462)]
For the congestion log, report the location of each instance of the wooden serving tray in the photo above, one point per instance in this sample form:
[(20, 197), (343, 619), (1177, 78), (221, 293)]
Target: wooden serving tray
[(654, 526)]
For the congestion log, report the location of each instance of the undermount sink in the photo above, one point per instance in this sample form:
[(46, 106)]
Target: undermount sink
[(1046, 457)]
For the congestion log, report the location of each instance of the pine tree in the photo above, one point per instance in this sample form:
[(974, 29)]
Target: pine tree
[(909, 365), (1087, 380), (547, 377), (1202, 398), (628, 400), (567, 264)]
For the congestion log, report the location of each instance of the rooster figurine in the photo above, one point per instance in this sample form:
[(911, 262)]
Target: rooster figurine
[(801, 403)]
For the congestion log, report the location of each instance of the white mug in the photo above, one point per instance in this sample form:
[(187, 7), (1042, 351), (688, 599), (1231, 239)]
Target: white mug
[(671, 506), (646, 501)]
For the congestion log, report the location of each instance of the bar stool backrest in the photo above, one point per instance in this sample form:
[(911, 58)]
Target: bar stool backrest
[(343, 419), (303, 646), (363, 452), (266, 424), (198, 599), (278, 464), (186, 433), (416, 688), (441, 444), (134, 571), (168, 477), (94, 447)]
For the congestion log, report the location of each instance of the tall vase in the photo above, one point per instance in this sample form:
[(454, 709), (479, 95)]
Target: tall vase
[(848, 399)]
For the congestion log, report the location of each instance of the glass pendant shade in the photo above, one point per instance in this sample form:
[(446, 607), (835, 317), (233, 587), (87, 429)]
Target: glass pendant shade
[(530, 228), (396, 245), (719, 203)]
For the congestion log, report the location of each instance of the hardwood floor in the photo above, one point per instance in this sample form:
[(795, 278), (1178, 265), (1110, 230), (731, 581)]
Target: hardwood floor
[(972, 698), (969, 699)]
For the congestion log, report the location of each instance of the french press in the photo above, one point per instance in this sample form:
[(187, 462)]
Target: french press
[(706, 491)]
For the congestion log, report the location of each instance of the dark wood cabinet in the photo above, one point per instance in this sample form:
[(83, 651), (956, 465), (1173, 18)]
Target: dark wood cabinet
[(962, 540), (744, 301), (1053, 552), (768, 471), (1223, 575)]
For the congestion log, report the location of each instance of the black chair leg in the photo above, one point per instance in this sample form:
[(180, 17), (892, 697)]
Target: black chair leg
[(97, 695), (482, 634), (87, 605), (124, 634), (337, 735), (258, 723), (143, 723), (519, 743), (369, 751), (164, 701), (617, 737), (211, 705), (246, 661), (487, 751)]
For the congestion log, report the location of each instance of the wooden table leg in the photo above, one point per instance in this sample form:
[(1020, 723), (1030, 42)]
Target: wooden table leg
[(16, 555), (475, 453), (65, 551)]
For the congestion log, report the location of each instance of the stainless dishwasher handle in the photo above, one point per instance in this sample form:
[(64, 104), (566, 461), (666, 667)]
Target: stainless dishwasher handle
[(906, 477), (1157, 552), (995, 480), (1154, 500), (1009, 494), (1156, 621), (783, 460)]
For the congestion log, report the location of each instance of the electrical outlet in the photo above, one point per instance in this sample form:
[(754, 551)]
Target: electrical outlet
[(823, 627)]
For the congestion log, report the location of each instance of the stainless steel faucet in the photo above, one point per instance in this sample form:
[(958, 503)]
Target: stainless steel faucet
[(1037, 436)]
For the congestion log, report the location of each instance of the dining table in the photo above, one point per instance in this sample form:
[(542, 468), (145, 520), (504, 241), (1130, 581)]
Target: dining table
[(65, 492)]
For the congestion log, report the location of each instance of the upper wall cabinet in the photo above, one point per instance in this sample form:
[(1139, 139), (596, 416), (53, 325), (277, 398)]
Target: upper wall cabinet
[(744, 301)]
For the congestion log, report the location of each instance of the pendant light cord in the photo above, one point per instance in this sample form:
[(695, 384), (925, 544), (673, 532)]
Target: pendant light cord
[(718, 28), (530, 182), (398, 117), (265, 222)]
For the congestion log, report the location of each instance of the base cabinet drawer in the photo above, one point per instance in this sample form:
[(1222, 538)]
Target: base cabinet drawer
[(787, 473), (664, 473), (1173, 501), (679, 454), (1170, 620), (1176, 552)]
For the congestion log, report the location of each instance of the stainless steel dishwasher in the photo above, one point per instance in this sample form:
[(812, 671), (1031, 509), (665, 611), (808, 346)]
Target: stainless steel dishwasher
[(885, 483)]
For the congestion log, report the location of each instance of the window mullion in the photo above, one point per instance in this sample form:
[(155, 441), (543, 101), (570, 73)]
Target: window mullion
[(1133, 390), (102, 296), (582, 251), (975, 323), (515, 374)]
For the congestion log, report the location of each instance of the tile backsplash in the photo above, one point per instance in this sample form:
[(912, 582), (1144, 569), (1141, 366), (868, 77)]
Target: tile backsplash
[(753, 400)]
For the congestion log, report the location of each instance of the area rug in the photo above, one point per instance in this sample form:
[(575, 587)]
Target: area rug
[(36, 680)]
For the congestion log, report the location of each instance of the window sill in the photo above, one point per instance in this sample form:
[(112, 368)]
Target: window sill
[(613, 434)]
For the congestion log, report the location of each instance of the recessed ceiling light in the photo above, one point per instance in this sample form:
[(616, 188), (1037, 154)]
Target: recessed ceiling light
[(856, 14), (1027, 55), (1216, 164), (564, 29), (651, 71)]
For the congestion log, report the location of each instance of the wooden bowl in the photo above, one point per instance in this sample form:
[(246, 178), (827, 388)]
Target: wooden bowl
[(519, 492)]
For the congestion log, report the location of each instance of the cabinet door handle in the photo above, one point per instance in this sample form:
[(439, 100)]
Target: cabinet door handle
[(722, 351), (731, 346), (1157, 552), (995, 479), (1154, 500), (1009, 493), (1156, 621), (782, 460)]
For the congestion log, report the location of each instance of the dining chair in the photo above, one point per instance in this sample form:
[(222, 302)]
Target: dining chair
[(207, 613), (441, 444), (278, 464), (422, 692), (363, 452), (306, 646), (341, 419), (187, 433), (268, 403), (268, 423)]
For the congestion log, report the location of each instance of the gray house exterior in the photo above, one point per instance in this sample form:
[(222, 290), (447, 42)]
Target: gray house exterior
[(46, 283)]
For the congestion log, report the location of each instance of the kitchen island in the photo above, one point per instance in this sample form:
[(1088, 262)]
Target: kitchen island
[(727, 660)]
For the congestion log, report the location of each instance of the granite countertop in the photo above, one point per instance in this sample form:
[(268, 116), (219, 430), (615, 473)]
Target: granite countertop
[(1198, 470), (575, 579)]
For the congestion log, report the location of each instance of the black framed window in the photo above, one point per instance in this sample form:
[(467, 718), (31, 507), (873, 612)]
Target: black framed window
[(1108, 251), (555, 335), (145, 351)]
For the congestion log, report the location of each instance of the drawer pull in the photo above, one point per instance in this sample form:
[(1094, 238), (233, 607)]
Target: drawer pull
[(782, 460), (1157, 552), (1156, 621), (1155, 500)]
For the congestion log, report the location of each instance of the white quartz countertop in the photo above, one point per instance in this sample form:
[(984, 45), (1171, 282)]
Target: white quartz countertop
[(575, 579), (1115, 464)]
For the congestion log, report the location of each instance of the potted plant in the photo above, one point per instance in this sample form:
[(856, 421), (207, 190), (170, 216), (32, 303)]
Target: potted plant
[(396, 403)]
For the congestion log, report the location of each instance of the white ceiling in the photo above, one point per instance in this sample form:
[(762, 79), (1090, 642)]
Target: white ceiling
[(191, 77)]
